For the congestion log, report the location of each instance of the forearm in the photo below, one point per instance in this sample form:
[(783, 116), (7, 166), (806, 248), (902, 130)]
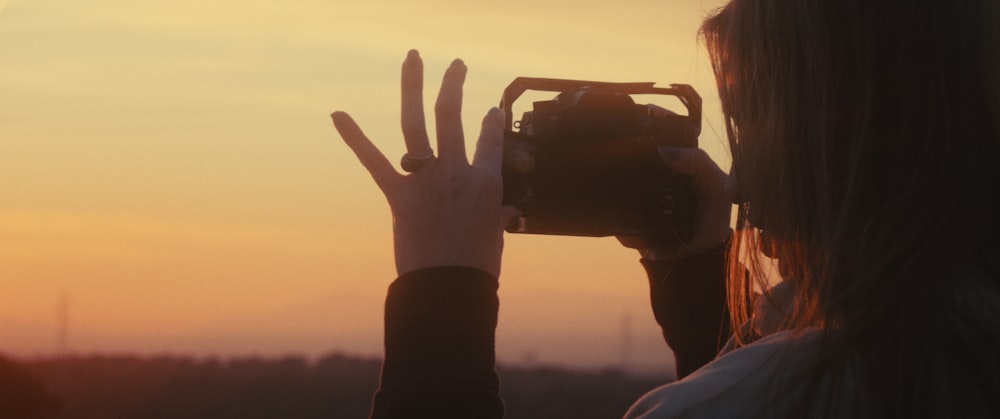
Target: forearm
[(439, 353), (688, 296)]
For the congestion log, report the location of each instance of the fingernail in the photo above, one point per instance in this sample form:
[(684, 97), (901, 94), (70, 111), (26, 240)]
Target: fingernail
[(413, 54), (458, 63), (669, 153), (494, 110)]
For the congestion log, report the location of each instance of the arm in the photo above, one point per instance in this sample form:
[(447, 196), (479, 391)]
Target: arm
[(448, 222), (439, 359), (687, 281), (689, 302)]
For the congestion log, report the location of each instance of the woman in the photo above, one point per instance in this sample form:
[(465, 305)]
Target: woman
[(862, 133)]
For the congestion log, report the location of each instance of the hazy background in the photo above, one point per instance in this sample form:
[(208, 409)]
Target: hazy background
[(170, 181)]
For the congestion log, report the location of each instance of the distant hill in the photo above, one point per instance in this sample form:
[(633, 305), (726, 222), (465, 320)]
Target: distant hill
[(336, 386)]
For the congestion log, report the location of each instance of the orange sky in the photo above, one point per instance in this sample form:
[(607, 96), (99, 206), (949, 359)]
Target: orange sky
[(169, 165)]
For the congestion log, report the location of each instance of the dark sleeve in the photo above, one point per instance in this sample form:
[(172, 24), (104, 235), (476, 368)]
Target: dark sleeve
[(689, 302), (439, 354)]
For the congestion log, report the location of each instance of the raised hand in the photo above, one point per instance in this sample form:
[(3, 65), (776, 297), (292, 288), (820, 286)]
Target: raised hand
[(447, 212), (715, 201)]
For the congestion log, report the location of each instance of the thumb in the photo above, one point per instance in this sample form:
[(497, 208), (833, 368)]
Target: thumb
[(696, 163), (508, 215)]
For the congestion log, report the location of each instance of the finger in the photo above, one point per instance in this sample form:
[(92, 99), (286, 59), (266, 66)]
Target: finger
[(708, 178), (369, 155), (448, 114), (690, 161), (489, 148), (508, 215), (412, 115)]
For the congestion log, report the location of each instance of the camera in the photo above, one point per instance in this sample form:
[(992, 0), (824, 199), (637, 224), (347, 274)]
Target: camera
[(586, 162)]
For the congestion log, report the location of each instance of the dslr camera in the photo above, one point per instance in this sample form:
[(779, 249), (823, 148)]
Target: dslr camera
[(586, 162)]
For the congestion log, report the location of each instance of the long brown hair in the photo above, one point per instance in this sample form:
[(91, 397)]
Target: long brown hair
[(865, 138)]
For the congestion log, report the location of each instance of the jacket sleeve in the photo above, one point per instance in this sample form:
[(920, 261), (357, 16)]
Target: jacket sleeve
[(439, 346), (689, 302)]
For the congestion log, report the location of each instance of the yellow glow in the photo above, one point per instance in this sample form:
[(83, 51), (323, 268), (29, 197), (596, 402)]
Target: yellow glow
[(170, 167)]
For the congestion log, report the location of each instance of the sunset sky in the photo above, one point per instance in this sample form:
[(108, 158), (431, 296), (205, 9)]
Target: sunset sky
[(169, 167)]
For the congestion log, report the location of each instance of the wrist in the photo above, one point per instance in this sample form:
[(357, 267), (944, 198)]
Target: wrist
[(654, 254), (484, 256), (659, 254)]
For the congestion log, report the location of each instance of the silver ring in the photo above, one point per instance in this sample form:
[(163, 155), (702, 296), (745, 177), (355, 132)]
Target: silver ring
[(411, 164)]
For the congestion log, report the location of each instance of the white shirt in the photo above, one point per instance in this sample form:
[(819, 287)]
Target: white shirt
[(741, 383), (735, 385)]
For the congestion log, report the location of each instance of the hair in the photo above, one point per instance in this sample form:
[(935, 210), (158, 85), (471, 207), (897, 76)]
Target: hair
[(865, 137)]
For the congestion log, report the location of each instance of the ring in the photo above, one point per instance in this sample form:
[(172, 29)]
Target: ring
[(411, 164)]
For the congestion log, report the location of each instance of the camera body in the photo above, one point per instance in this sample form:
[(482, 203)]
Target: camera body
[(586, 163)]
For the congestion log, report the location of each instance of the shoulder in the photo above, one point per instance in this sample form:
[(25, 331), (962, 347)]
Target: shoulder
[(734, 384)]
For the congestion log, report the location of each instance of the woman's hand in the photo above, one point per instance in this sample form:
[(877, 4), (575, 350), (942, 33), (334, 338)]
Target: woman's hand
[(713, 209), (447, 212)]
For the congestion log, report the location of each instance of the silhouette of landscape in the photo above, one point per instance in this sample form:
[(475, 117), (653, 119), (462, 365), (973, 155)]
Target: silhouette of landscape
[(334, 386)]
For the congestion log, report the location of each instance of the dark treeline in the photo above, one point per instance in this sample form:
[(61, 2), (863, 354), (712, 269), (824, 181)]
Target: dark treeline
[(336, 386)]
